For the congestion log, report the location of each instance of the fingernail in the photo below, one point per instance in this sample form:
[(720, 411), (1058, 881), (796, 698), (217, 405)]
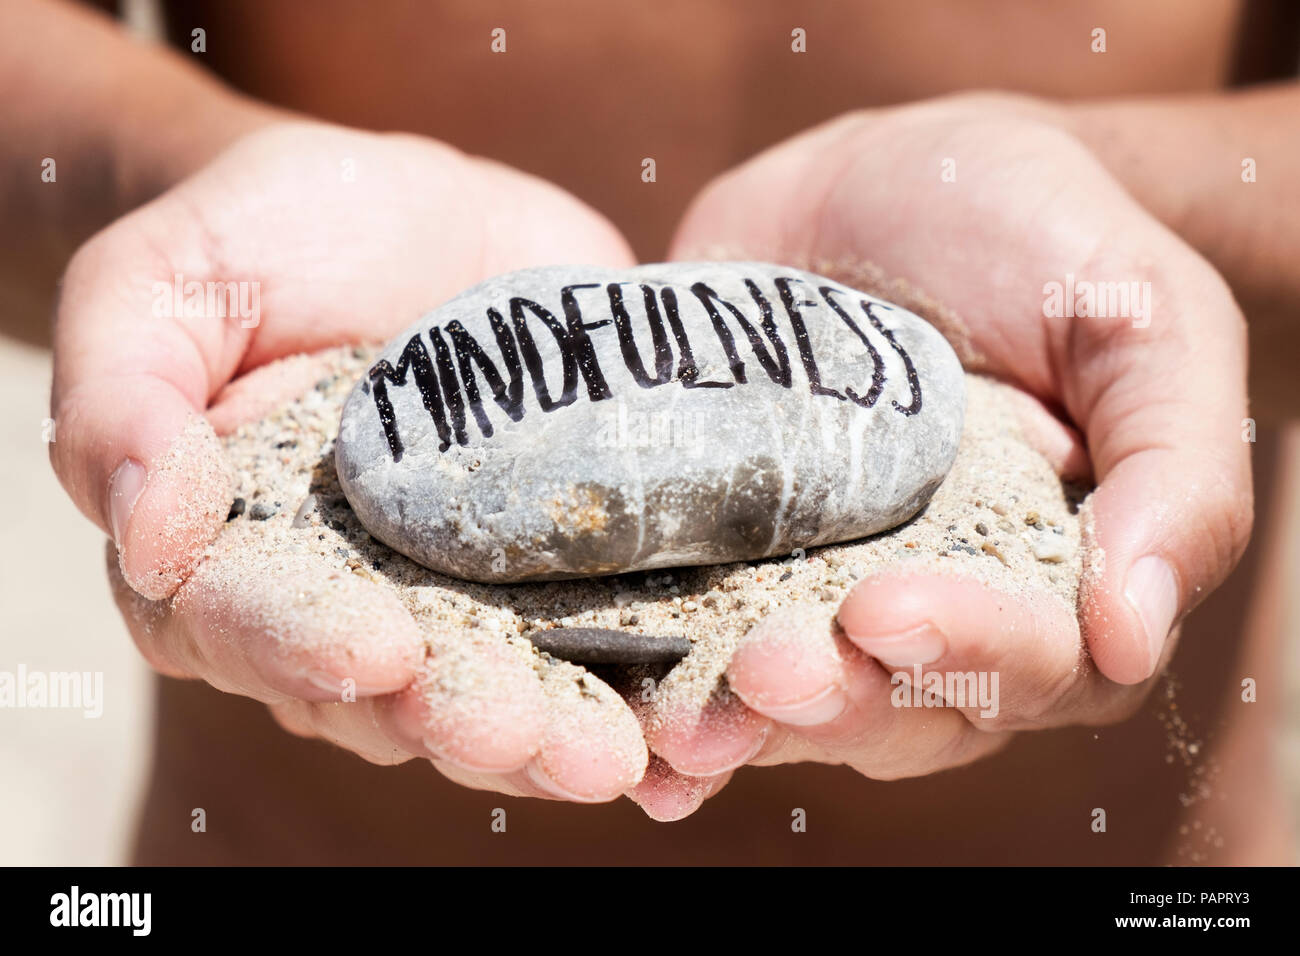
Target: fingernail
[(543, 782), (123, 491), (1152, 589), (821, 708), (670, 799), (759, 742), (923, 644)]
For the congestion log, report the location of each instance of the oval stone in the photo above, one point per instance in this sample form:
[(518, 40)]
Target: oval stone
[(575, 421)]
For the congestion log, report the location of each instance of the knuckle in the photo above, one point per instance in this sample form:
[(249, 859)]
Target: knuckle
[(1225, 502), (1049, 702), (1056, 695)]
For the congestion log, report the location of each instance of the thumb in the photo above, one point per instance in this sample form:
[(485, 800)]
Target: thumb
[(1174, 507), (131, 446)]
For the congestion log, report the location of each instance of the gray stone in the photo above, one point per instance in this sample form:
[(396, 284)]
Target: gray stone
[(576, 421), (598, 645)]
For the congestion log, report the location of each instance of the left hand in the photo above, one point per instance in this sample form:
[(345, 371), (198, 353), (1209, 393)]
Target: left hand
[(1158, 401), (347, 236)]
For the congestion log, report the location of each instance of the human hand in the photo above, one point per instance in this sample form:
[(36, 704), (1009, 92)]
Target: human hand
[(1158, 397), (346, 237)]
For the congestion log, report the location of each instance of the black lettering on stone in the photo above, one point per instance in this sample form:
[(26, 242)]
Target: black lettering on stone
[(778, 367), (878, 369), (415, 358), (801, 337), (627, 342), (469, 353), (584, 352), (533, 359), (688, 372), (913, 381), (706, 296), (441, 389), (450, 387), (778, 370)]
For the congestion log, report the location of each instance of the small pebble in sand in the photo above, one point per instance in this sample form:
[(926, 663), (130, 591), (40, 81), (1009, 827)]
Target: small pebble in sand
[(1052, 548), (598, 645), (262, 510), (236, 509), (989, 547)]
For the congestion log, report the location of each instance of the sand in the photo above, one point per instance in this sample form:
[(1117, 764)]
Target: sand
[(1001, 516)]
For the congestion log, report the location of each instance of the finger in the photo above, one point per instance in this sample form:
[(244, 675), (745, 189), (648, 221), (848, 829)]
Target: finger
[(666, 795), (129, 390), (321, 721), (793, 661), (471, 703), (592, 748), (700, 726), (477, 703), (787, 667), (515, 784), (491, 782), (1018, 659), (273, 627), (352, 725), (1174, 509)]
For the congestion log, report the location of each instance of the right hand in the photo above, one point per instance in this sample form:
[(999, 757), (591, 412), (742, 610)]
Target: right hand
[(338, 260), (1158, 406)]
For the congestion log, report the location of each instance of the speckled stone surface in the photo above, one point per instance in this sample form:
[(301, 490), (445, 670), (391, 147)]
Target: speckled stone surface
[(577, 421)]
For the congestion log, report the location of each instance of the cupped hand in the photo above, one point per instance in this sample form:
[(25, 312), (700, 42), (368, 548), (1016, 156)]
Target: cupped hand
[(966, 210), (345, 237)]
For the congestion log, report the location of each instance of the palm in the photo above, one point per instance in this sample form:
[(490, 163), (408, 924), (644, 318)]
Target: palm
[(353, 235)]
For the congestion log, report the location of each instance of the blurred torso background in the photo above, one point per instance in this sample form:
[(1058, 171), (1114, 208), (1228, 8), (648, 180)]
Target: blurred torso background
[(586, 89)]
